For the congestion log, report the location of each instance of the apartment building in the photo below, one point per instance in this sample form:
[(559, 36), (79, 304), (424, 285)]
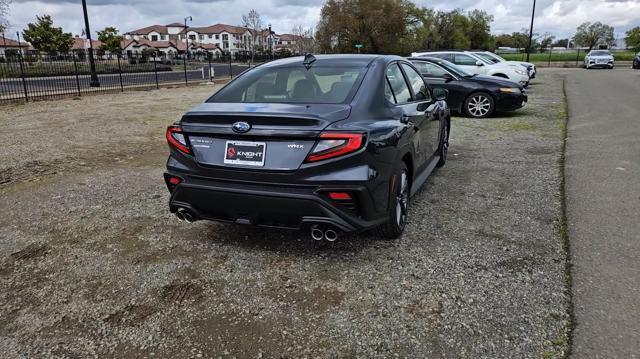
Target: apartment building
[(226, 38)]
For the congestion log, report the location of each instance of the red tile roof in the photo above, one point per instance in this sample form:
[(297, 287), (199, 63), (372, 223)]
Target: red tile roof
[(218, 28), (179, 45), (6, 42), (80, 43), (145, 30)]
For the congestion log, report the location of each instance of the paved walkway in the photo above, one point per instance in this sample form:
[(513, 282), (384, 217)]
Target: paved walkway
[(603, 210)]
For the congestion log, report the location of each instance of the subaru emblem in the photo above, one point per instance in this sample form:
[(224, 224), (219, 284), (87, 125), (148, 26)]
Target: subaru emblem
[(241, 127)]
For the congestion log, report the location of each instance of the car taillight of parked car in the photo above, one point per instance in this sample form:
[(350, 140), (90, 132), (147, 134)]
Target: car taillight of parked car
[(177, 140), (335, 144)]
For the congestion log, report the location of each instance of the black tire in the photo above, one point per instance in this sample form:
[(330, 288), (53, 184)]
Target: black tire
[(479, 105), (398, 205), (443, 148)]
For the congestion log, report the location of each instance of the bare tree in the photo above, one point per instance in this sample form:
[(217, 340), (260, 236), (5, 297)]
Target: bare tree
[(304, 39), (253, 22), (4, 11)]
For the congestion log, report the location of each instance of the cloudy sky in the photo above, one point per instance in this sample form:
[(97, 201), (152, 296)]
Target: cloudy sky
[(559, 17)]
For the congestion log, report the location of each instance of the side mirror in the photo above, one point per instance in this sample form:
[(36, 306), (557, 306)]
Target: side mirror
[(447, 77), (479, 63), (440, 94)]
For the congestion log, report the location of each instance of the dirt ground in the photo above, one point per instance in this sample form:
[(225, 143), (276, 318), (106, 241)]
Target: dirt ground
[(93, 264)]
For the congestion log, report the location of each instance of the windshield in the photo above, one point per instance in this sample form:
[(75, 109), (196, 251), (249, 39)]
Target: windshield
[(487, 57), (600, 53), (455, 69), (296, 84)]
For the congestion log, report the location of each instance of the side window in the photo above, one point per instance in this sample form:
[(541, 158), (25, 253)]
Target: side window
[(398, 85), (417, 83), (464, 60), (387, 92), (428, 69)]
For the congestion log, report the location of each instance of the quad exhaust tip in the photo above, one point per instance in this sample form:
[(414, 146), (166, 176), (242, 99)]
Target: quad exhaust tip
[(330, 235), (316, 233), (186, 215), (319, 233)]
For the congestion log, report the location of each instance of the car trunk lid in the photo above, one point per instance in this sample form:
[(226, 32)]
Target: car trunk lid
[(280, 136)]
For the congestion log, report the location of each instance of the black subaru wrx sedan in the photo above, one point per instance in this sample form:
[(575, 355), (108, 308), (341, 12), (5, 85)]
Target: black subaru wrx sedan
[(331, 144)]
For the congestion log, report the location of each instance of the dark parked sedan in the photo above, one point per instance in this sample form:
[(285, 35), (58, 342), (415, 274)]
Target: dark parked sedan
[(473, 95), (327, 143), (636, 61)]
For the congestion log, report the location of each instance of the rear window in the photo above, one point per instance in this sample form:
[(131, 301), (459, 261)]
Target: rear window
[(292, 85)]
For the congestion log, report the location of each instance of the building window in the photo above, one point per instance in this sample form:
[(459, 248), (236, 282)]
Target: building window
[(217, 37), (192, 37), (210, 36), (201, 37), (163, 37), (154, 37)]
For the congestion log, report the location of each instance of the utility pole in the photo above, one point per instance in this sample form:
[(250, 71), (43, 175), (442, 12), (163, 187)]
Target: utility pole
[(92, 63), (533, 13)]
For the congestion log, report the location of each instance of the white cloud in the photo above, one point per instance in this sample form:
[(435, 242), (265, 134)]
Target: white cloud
[(559, 17)]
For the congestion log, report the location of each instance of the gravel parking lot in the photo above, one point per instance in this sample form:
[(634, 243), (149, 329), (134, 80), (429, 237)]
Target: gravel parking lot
[(93, 264)]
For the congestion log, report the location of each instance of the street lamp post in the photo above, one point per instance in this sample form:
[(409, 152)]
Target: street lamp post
[(270, 44), (186, 51), (92, 64), (533, 13)]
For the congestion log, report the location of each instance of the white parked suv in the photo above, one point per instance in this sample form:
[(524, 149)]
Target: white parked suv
[(487, 55), (477, 65), (599, 58)]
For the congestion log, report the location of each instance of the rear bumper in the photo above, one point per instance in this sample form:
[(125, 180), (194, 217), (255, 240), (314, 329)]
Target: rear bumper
[(272, 206)]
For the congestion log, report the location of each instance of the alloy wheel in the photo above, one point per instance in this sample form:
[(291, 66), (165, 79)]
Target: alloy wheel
[(479, 106)]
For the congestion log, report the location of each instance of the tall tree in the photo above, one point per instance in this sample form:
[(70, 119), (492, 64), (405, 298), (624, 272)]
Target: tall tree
[(545, 41), (632, 38), (592, 34), (253, 22), (110, 39), (479, 31), (44, 37), (376, 24)]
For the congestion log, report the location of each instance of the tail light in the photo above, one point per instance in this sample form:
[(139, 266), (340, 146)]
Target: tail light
[(176, 138), (335, 144)]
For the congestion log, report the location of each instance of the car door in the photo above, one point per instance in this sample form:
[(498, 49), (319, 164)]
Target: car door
[(422, 97), (468, 63), (438, 77), (413, 113)]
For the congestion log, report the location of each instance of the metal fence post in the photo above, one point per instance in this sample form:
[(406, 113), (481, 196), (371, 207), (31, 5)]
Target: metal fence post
[(549, 62), (577, 57), (230, 69), (210, 73), (186, 83), (75, 67), (24, 81), (155, 69), (120, 73)]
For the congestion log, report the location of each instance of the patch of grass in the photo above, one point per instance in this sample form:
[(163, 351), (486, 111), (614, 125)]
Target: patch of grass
[(516, 126), (564, 56), (564, 232)]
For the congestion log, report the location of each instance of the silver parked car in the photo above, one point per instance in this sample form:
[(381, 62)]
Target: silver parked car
[(598, 58)]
